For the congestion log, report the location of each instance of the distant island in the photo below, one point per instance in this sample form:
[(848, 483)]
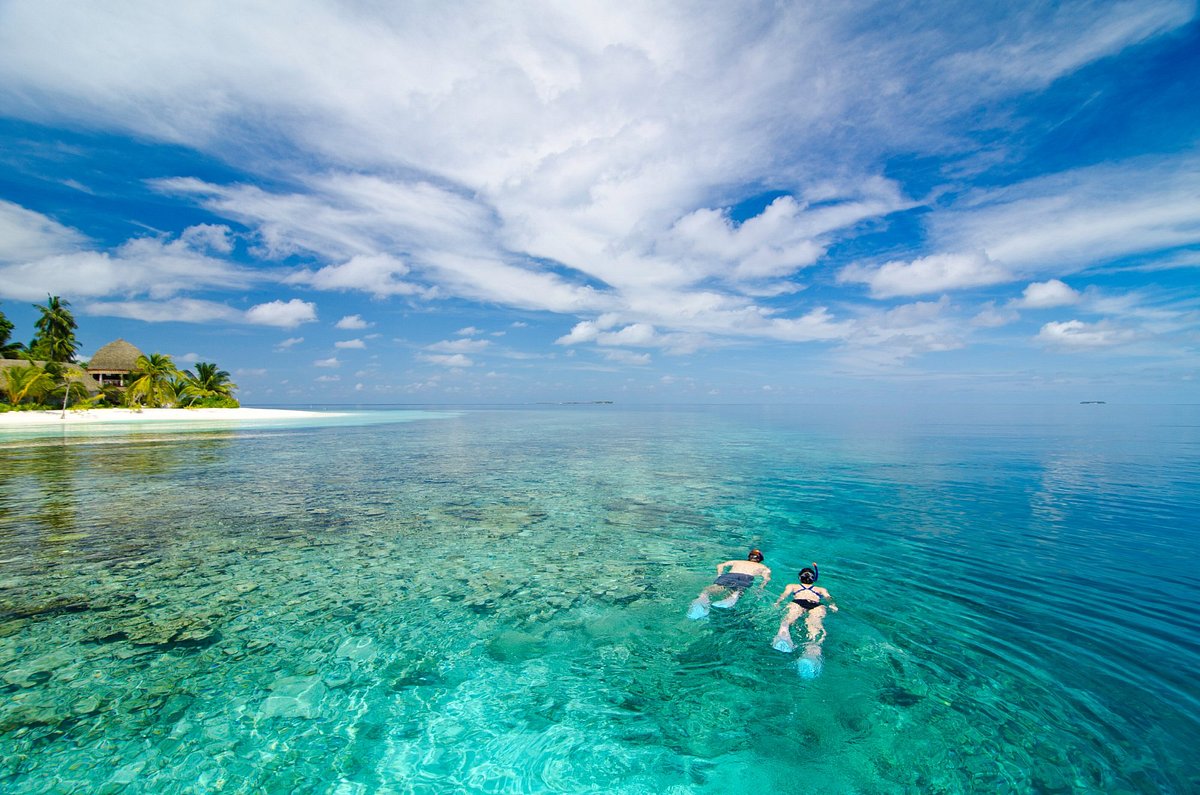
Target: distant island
[(45, 374), (1091, 402)]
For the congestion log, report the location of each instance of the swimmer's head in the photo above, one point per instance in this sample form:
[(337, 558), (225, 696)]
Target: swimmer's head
[(807, 576), (755, 556)]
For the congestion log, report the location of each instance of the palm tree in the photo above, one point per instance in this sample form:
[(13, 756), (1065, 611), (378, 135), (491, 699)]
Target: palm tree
[(151, 385), (65, 385), (181, 387), (8, 350), (208, 381), (27, 383), (55, 338)]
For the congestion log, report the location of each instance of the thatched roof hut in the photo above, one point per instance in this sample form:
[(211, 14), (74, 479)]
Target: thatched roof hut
[(113, 363), (117, 355)]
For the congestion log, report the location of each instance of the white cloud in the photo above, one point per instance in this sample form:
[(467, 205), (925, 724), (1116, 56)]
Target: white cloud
[(583, 162), (1044, 295), (211, 237), (494, 280), (452, 360), (332, 361), (289, 342), (1064, 222), (786, 236), (933, 274), (468, 331), (353, 323), (284, 314), (583, 331), (26, 235), (891, 337), (992, 316), (350, 344), (633, 334), (171, 310), (1078, 335), (627, 357), (154, 266), (460, 346), (377, 274), (1044, 53), (327, 379)]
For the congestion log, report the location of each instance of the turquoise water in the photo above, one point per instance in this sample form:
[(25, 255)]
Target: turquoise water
[(494, 601)]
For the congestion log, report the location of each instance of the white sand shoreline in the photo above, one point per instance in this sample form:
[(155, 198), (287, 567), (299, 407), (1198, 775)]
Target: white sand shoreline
[(29, 419)]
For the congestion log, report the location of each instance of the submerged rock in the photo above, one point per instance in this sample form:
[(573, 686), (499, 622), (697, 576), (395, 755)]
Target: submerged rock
[(294, 697), (47, 606), (898, 697), (12, 627), (27, 677), (358, 649), (515, 646), (180, 629)]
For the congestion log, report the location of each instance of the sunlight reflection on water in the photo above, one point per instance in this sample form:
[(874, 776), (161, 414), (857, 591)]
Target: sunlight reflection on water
[(493, 601)]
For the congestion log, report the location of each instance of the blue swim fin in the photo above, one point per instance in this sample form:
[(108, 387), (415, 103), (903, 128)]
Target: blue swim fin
[(783, 644), (809, 666), (698, 609)]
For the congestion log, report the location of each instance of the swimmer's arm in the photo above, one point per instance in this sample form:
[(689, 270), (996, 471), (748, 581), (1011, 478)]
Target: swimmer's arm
[(832, 607), (726, 565), (786, 593), (766, 578)]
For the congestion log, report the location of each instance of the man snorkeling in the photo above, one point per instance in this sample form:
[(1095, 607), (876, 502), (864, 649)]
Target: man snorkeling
[(733, 577), (805, 598)]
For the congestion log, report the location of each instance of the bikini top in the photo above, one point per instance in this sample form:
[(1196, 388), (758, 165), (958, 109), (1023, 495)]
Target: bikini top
[(808, 588)]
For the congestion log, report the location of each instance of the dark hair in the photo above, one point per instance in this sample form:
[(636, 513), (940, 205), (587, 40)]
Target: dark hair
[(807, 576), (755, 555)]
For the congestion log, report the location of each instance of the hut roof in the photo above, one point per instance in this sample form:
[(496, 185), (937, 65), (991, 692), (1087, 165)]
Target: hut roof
[(116, 355)]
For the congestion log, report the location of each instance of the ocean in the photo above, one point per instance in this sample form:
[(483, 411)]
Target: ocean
[(494, 599)]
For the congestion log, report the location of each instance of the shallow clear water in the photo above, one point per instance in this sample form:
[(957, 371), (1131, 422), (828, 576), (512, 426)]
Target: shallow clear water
[(494, 601)]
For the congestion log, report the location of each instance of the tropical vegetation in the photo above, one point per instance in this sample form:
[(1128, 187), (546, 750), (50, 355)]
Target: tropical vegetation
[(55, 338), (48, 377), (27, 385), (208, 387), (152, 382), (8, 349)]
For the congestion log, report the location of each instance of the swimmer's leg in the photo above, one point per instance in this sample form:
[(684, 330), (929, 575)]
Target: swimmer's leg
[(730, 600), (811, 662), (783, 639), (699, 607), (814, 624)]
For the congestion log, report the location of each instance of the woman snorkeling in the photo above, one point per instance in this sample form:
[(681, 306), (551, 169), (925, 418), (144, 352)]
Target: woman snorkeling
[(805, 598)]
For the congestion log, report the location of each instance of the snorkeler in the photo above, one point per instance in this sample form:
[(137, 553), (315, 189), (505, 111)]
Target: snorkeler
[(805, 598), (733, 577)]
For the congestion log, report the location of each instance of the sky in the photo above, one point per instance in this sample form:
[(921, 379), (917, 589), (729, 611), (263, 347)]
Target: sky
[(701, 202)]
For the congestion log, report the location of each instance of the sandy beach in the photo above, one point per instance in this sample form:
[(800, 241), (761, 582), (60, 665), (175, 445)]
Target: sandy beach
[(27, 419)]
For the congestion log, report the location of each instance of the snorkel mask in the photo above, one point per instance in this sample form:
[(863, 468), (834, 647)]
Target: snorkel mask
[(808, 575), (755, 556)]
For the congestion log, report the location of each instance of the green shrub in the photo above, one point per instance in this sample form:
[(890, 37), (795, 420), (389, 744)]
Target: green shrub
[(214, 402), (24, 407)]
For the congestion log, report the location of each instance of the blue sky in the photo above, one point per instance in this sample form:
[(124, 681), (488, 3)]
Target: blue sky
[(721, 202)]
